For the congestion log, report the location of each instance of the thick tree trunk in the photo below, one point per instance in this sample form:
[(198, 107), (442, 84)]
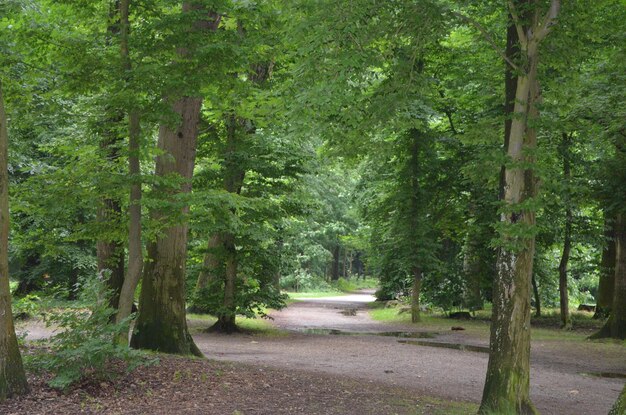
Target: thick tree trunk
[(615, 326), (161, 324), (606, 285), (566, 321), (415, 295), (12, 376), (135, 254)]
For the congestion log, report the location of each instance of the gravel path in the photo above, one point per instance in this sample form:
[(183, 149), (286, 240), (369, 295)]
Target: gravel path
[(557, 386)]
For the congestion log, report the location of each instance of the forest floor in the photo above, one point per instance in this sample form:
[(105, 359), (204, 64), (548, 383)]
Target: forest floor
[(331, 357)]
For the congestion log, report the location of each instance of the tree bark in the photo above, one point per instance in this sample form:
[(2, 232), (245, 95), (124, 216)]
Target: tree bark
[(507, 382), (12, 376), (615, 327), (566, 321), (415, 295), (606, 285), (135, 254), (161, 324), (334, 275)]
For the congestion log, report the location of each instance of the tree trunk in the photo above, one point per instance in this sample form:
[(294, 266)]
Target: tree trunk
[(415, 295), (12, 376), (161, 324), (110, 252), (566, 321), (135, 254), (507, 382), (536, 295), (211, 263), (471, 270), (334, 275), (226, 320), (606, 285), (615, 327)]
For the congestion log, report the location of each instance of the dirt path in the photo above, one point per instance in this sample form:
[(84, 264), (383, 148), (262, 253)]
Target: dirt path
[(558, 387)]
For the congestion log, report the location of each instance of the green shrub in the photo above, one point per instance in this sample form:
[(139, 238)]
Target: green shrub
[(26, 307), (302, 281), (85, 346)]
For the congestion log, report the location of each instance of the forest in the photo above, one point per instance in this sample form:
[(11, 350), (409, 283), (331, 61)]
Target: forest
[(163, 159)]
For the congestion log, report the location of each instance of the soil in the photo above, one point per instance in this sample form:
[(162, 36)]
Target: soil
[(364, 373)]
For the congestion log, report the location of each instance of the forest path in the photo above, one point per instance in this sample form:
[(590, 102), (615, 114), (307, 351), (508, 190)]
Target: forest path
[(557, 383)]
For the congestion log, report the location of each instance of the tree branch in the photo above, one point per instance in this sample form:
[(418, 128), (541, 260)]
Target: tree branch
[(518, 25), (487, 37), (548, 20)]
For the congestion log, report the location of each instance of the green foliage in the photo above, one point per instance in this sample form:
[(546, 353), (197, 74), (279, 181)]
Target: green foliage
[(302, 281), (26, 307), (85, 346)]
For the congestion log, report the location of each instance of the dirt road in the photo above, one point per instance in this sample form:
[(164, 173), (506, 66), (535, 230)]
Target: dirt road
[(557, 380)]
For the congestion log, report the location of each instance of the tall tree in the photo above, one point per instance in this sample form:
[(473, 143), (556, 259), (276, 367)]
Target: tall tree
[(135, 254), (12, 376), (161, 323), (565, 149), (507, 383)]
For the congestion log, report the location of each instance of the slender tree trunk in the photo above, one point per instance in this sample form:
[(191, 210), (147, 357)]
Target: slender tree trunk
[(536, 295), (507, 383), (606, 286), (415, 295), (335, 268), (566, 321), (110, 252), (12, 376), (615, 326), (234, 177), (135, 254), (471, 270)]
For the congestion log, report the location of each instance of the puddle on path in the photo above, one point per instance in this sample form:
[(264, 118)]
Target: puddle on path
[(607, 375), (455, 346), (401, 334)]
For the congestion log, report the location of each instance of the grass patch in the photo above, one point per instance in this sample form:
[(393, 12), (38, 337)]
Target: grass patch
[(436, 406), (255, 326)]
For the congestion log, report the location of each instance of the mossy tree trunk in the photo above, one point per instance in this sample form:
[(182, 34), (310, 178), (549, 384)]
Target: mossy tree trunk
[(12, 376), (606, 284), (415, 295), (507, 383)]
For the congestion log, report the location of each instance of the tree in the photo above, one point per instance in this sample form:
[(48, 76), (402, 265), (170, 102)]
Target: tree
[(12, 376), (135, 254), (161, 323), (507, 382)]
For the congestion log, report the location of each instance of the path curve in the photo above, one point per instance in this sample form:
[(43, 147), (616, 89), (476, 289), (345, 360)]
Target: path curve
[(557, 387)]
